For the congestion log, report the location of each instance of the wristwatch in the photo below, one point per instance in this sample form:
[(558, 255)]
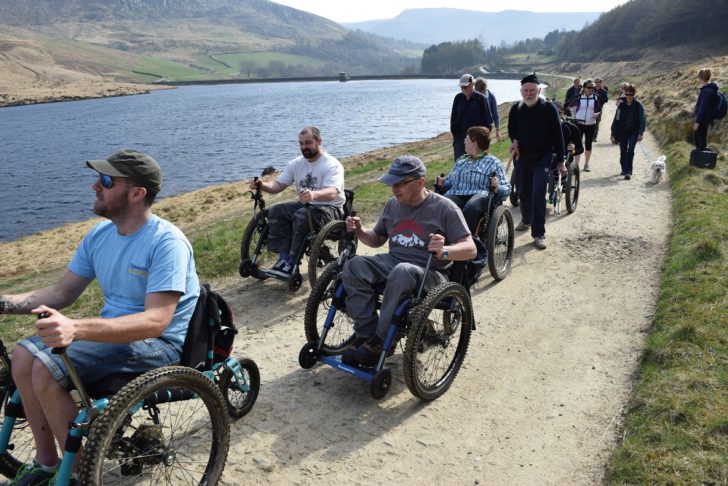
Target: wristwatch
[(445, 254)]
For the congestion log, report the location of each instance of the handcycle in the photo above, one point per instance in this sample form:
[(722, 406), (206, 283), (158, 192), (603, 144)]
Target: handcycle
[(565, 187), (437, 326), (168, 425), (322, 246), (495, 228)]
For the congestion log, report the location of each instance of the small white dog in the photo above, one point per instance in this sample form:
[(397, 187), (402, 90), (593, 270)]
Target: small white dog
[(658, 169)]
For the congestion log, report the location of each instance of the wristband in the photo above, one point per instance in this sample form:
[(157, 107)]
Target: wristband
[(444, 254)]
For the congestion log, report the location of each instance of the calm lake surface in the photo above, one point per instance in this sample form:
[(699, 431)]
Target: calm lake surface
[(202, 135)]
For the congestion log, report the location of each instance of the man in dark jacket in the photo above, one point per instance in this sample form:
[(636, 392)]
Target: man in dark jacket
[(469, 109), (535, 130), (602, 94), (704, 107), (572, 93)]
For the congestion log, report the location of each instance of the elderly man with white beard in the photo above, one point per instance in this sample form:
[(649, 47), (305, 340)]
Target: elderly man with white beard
[(537, 146)]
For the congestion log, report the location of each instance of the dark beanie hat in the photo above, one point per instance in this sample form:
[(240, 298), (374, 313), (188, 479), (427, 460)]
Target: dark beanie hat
[(531, 78)]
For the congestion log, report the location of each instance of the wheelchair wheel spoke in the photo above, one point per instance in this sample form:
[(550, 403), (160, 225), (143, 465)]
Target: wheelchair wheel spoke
[(177, 442), (437, 340), (320, 301)]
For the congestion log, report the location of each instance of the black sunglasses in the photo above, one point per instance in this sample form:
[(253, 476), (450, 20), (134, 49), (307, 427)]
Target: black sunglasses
[(628, 94)]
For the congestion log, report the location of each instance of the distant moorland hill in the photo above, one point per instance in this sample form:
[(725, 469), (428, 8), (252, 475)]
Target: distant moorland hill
[(435, 25)]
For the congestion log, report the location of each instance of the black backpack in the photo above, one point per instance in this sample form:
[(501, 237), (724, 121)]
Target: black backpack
[(210, 306), (721, 107)]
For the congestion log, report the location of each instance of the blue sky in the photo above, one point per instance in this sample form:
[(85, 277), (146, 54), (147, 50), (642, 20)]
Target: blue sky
[(360, 10)]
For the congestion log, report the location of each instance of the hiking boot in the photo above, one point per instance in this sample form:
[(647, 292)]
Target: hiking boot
[(586, 168), (30, 475), (522, 226), (539, 243)]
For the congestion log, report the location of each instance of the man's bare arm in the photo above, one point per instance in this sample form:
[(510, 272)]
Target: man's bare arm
[(60, 295), (59, 330)]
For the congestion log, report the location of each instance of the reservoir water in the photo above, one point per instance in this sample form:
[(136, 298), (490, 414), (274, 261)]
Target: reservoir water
[(202, 135)]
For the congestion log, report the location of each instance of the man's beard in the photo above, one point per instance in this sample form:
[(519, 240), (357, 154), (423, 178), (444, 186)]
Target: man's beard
[(110, 211), (308, 153)]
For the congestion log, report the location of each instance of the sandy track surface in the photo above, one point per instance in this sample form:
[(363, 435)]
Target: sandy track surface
[(541, 394)]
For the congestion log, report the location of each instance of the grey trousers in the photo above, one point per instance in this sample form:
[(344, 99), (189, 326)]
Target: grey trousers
[(288, 224), (362, 273)]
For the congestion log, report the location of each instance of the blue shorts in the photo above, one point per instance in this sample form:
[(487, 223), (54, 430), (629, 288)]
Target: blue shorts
[(95, 361)]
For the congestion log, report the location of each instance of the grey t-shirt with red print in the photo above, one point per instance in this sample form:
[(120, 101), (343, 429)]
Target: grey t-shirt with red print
[(408, 228)]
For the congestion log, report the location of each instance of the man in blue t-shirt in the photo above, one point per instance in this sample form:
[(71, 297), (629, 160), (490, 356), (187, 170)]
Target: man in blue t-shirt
[(146, 271)]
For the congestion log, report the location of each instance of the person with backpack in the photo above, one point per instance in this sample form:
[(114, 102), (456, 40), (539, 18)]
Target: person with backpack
[(586, 108), (469, 109), (707, 108)]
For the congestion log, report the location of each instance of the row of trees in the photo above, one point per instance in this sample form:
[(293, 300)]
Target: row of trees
[(451, 57), (620, 34)]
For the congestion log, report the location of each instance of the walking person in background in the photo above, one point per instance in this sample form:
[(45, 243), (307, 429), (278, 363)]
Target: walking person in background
[(627, 129), (469, 109), (535, 130), (620, 94), (602, 94), (586, 108), (481, 86), (704, 107), (572, 93)]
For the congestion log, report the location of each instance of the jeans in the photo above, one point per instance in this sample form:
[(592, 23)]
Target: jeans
[(627, 143), (534, 178), (473, 206), (95, 361)]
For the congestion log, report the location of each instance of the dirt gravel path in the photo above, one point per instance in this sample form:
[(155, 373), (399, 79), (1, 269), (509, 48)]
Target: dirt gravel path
[(541, 394)]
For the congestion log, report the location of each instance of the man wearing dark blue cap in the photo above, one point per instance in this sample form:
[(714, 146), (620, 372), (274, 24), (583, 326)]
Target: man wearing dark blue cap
[(415, 222), (538, 144)]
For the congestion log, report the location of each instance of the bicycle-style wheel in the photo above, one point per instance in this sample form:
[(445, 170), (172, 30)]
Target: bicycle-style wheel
[(500, 242), (573, 181), (341, 334), (21, 446), (168, 426), (437, 340), (326, 248), (255, 232), (513, 196)]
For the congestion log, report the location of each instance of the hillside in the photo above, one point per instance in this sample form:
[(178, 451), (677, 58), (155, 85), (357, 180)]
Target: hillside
[(435, 25), (47, 46)]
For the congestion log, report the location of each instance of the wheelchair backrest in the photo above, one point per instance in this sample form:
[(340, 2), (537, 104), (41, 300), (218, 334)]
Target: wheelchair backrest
[(349, 203), (467, 273), (202, 337)]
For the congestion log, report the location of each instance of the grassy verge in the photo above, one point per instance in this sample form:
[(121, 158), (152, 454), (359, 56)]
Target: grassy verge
[(676, 431)]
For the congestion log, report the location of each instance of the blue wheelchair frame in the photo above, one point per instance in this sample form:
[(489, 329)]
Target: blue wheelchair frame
[(378, 377), (92, 409)]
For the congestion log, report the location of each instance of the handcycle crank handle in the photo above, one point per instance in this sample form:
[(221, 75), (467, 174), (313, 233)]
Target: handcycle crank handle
[(61, 350)]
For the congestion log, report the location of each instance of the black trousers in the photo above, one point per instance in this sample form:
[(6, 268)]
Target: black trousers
[(701, 136)]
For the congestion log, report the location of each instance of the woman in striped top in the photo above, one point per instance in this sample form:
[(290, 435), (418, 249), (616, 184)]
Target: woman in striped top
[(471, 178)]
